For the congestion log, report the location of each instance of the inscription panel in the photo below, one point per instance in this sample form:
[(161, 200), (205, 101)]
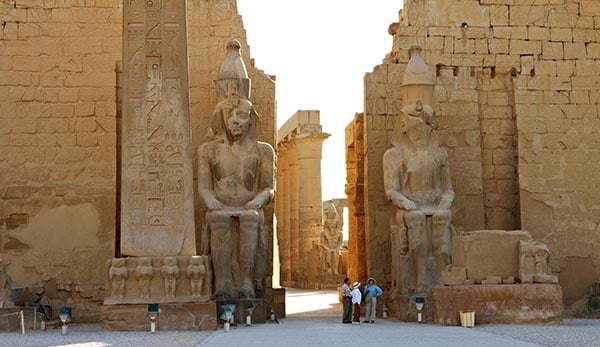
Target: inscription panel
[(157, 188)]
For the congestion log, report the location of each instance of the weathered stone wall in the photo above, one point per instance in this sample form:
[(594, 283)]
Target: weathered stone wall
[(355, 181), (59, 131), (517, 104)]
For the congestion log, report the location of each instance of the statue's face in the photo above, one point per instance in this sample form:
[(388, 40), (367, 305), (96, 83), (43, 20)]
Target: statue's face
[(418, 130), (239, 120), (170, 261), (195, 260)]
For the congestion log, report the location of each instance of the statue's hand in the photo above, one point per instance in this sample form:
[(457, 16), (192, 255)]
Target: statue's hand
[(405, 204), (254, 204), (445, 204), (213, 204)]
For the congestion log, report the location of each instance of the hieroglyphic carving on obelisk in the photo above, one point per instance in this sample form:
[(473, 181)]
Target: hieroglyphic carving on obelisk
[(156, 187)]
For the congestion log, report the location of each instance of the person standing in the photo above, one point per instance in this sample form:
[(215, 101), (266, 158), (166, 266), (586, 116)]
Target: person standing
[(356, 298), (371, 292), (347, 301)]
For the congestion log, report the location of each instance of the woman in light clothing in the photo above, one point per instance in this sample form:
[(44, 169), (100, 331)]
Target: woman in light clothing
[(371, 292)]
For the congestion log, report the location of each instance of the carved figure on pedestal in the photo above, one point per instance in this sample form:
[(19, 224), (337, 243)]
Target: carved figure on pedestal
[(170, 273), (196, 272), (236, 180), (144, 273), (118, 275), (417, 182), (332, 238), (533, 263)]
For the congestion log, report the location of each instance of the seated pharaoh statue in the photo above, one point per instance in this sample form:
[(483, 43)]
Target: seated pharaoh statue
[(235, 182), (417, 182)]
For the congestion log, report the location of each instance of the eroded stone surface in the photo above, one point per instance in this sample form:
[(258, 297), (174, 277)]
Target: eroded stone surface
[(488, 253), (172, 317), (500, 304)]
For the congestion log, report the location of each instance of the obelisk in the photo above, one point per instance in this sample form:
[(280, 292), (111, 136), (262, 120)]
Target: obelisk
[(157, 212)]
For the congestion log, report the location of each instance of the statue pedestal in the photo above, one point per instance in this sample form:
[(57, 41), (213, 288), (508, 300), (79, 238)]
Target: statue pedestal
[(500, 304), (259, 314), (172, 317)]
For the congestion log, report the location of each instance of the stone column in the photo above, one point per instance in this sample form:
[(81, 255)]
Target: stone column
[(309, 152), (294, 217), (283, 214), (157, 208)]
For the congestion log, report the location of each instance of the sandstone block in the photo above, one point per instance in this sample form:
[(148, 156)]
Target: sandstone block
[(499, 15), (500, 304), (575, 50), (520, 47), (590, 8), (528, 15), (492, 280), (454, 275), (561, 34), (488, 253), (552, 50)]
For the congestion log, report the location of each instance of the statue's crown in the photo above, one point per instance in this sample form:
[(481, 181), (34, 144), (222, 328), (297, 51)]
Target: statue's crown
[(418, 83), (233, 75)]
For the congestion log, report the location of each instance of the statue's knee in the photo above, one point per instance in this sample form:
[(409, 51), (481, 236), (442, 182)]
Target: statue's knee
[(250, 217), (441, 217), (414, 219)]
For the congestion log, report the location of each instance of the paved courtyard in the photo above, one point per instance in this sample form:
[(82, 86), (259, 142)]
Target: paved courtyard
[(313, 320)]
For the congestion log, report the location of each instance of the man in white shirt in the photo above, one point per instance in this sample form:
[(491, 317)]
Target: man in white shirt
[(356, 299)]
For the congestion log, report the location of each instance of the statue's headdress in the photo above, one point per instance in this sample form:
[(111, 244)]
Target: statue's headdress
[(232, 79), (418, 82), (233, 92)]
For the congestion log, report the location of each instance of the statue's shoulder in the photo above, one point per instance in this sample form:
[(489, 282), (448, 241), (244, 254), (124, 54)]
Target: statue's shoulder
[(393, 153), (266, 150)]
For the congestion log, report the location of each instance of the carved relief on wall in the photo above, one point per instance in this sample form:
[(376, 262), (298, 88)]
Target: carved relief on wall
[(533, 263), (158, 279), (157, 160)]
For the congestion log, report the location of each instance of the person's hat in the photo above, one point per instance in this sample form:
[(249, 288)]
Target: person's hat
[(371, 279), (356, 285)]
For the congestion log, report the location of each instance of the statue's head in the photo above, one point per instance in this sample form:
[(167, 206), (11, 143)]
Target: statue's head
[(170, 261), (196, 260), (118, 262), (235, 119), (144, 262), (239, 119), (416, 125)]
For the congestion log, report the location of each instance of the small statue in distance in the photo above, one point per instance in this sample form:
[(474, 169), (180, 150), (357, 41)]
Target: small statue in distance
[(118, 275), (144, 273), (196, 272), (170, 273)]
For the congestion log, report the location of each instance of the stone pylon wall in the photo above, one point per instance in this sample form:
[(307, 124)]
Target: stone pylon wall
[(355, 181), (517, 102), (59, 78), (299, 206)]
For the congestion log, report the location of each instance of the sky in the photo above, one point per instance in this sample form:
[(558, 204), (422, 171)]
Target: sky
[(320, 51)]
